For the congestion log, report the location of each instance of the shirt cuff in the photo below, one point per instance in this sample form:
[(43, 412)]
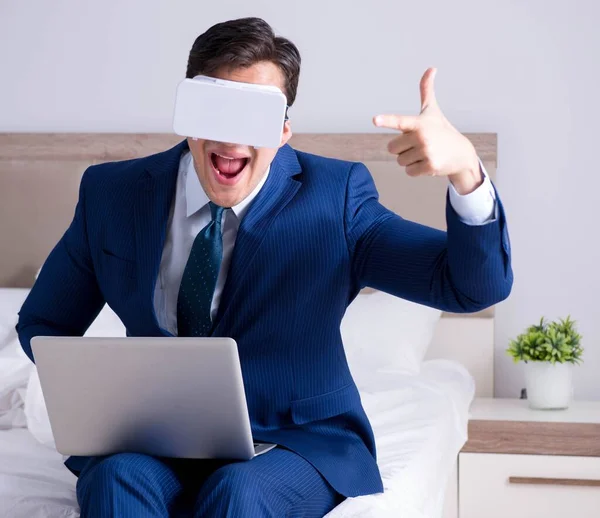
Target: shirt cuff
[(478, 207)]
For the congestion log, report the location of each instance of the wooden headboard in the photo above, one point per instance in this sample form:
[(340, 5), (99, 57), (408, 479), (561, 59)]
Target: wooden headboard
[(39, 183), (40, 175)]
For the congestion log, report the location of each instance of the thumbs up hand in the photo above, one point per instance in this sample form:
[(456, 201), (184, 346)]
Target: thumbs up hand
[(430, 146)]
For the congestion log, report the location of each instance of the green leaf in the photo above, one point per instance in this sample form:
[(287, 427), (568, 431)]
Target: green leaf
[(556, 341)]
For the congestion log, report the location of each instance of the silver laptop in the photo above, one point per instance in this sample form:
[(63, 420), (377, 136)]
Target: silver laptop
[(168, 397)]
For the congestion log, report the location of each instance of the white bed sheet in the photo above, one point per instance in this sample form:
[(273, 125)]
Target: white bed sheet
[(420, 424), (34, 483), (15, 367)]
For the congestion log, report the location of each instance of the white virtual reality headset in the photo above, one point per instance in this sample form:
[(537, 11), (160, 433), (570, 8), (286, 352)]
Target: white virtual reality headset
[(230, 111)]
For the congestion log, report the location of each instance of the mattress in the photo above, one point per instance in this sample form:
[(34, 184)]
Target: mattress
[(420, 424)]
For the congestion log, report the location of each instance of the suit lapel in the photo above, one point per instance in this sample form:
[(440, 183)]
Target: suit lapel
[(278, 191), (156, 188)]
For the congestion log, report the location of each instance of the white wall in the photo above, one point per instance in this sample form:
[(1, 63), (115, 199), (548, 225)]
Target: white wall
[(527, 70)]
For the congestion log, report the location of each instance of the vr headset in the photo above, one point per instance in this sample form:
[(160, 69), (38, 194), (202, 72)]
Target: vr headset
[(229, 111)]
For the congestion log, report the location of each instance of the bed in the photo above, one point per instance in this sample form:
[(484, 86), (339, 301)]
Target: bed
[(419, 425), (418, 408)]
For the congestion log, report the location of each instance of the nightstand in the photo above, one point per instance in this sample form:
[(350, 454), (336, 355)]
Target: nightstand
[(523, 463)]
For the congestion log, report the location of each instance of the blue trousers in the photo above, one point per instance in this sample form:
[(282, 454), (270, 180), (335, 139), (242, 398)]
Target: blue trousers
[(278, 483)]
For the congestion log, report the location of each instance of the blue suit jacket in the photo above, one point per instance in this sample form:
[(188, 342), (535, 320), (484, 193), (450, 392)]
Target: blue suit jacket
[(312, 238)]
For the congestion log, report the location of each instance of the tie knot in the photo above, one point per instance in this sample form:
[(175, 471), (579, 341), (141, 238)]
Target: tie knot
[(216, 212)]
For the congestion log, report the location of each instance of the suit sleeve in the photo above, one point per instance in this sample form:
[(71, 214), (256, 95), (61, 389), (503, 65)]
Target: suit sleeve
[(65, 298), (464, 270)]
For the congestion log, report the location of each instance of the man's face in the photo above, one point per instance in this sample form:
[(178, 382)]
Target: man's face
[(230, 172)]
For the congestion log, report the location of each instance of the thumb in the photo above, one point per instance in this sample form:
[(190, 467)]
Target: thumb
[(398, 122), (427, 91)]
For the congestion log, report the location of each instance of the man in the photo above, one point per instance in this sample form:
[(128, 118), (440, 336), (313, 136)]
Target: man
[(290, 239)]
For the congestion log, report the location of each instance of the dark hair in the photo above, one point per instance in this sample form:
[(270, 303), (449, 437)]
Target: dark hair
[(240, 44)]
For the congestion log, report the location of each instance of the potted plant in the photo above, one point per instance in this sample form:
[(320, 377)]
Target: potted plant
[(549, 351)]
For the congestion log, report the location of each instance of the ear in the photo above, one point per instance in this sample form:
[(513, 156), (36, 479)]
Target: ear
[(286, 134)]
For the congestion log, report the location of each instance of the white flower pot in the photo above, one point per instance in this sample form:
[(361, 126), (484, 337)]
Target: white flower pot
[(549, 386)]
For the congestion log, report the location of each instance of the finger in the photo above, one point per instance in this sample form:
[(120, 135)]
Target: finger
[(419, 168), (411, 156), (398, 122), (403, 142), (427, 89)]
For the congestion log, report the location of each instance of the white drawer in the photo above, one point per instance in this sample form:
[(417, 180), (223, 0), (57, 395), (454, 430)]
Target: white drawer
[(569, 486)]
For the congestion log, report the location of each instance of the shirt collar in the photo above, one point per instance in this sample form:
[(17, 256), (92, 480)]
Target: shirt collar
[(196, 198)]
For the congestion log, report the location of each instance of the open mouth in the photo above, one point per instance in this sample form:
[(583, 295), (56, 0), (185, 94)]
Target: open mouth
[(228, 167)]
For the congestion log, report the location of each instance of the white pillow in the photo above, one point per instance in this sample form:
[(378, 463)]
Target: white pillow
[(381, 333), (107, 323), (36, 413), (386, 334)]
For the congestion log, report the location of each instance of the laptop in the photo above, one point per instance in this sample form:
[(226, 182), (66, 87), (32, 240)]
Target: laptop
[(166, 397)]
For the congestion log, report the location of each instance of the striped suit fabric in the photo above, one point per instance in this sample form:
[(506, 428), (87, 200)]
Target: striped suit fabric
[(311, 239), (278, 483)]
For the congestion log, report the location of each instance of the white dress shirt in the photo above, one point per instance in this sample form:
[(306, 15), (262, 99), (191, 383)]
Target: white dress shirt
[(190, 213)]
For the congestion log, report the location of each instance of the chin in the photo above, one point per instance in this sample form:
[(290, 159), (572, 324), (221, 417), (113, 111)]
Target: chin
[(227, 199)]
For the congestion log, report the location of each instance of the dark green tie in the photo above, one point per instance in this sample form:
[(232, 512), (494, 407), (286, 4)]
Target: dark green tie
[(200, 278)]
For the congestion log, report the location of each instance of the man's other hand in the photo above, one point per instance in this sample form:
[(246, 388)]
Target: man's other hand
[(429, 145)]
